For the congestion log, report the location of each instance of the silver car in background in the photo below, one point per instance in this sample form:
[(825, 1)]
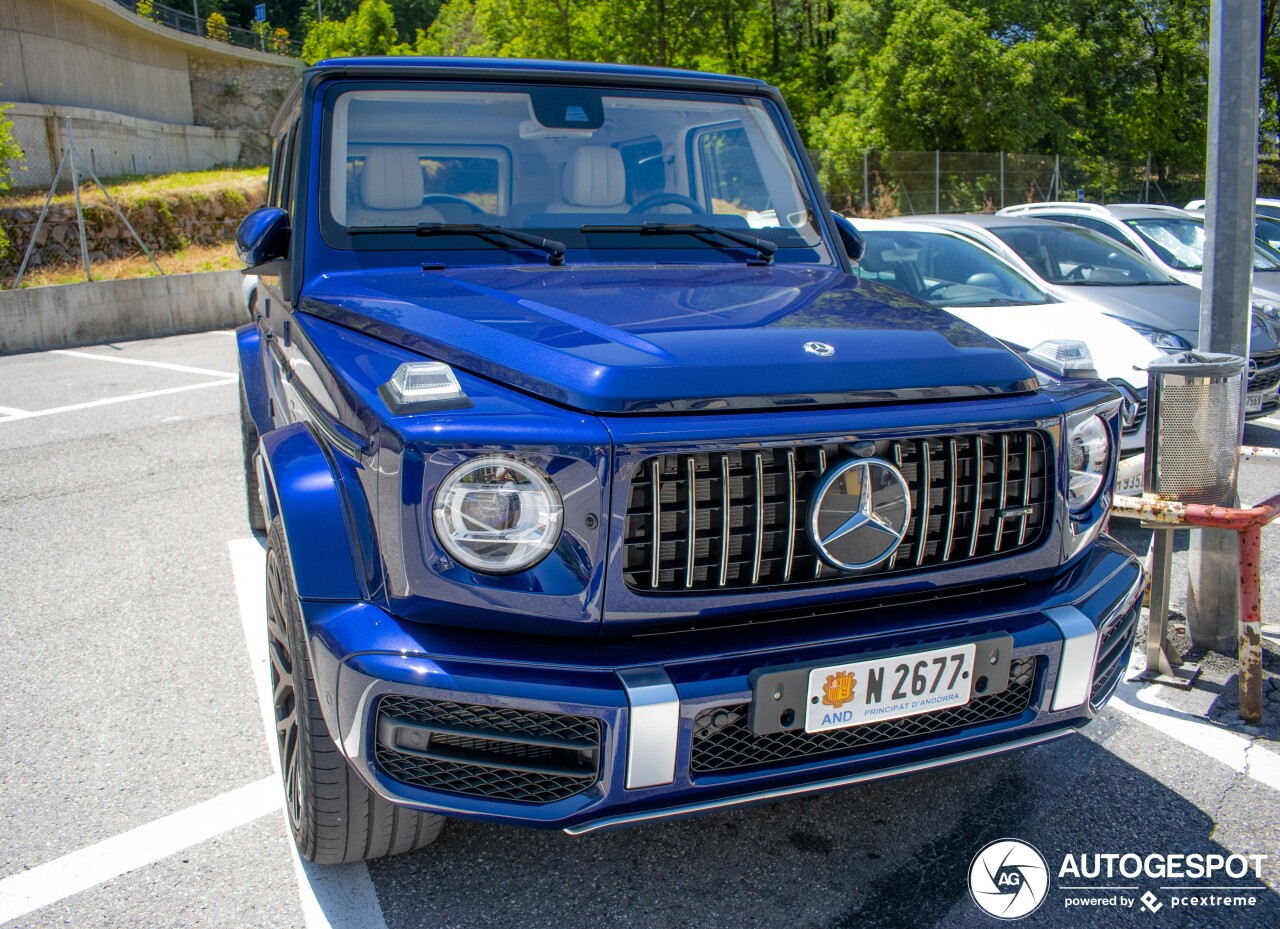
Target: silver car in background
[(1074, 263), (1165, 235)]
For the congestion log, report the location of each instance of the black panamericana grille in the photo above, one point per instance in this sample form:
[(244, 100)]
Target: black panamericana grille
[(724, 742), (1113, 653), (1140, 418), (735, 519), (484, 751), (1267, 375)]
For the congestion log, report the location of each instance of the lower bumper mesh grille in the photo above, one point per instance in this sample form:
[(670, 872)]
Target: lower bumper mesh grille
[(736, 746), (499, 753), (1113, 653)]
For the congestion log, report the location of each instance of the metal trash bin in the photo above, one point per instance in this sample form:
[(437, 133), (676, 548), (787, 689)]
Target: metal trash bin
[(1195, 414)]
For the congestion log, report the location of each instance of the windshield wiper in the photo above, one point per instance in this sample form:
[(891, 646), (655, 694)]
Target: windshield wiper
[(554, 249), (764, 248)]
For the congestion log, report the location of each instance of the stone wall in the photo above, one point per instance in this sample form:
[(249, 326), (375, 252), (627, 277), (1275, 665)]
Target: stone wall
[(240, 96), (165, 223)]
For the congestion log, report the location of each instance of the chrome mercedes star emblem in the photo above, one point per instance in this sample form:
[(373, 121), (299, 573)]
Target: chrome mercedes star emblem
[(821, 349), (860, 513)]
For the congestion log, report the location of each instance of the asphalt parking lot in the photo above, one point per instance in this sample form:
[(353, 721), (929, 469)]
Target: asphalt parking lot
[(137, 787)]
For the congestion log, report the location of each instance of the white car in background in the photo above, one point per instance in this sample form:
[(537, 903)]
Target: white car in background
[(249, 293), (1263, 206), (950, 271), (1169, 237)]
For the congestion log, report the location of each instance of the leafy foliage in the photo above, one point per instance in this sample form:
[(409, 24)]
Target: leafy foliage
[(369, 30), (215, 28), (1116, 79), (10, 152)]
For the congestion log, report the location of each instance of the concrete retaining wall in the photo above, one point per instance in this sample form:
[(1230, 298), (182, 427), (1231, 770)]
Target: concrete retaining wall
[(146, 88), (41, 318), (113, 144)]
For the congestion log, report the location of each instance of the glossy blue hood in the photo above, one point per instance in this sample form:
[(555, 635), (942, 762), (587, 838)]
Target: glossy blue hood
[(628, 339)]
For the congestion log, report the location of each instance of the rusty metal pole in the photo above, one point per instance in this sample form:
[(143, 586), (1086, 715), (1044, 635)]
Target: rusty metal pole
[(1251, 626)]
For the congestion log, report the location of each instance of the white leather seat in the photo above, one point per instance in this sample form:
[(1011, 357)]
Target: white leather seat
[(595, 181), (391, 190)]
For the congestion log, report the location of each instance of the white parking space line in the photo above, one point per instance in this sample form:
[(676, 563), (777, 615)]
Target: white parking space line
[(186, 369), (1242, 755), (332, 897), (78, 871), (1266, 421), (144, 395), (12, 411)]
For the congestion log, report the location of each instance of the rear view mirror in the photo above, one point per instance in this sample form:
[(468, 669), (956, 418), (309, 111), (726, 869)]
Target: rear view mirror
[(262, 241), (854, 244)]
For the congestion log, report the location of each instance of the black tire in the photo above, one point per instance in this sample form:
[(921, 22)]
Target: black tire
[(249, 442), (334, 816)]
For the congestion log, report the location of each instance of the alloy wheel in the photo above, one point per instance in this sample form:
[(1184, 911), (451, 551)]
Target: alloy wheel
[(284, 696)]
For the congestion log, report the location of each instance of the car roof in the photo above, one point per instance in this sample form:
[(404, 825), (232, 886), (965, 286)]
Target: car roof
[(462, 68), (1146, 211), (991, 220), (1119, 211), (893, 225)]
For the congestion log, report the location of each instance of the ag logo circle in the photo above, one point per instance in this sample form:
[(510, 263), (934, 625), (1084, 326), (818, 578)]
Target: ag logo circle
[(1008, 879)]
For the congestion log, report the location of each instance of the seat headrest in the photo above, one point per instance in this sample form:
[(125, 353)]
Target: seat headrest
[(391, 179), (595, 176)]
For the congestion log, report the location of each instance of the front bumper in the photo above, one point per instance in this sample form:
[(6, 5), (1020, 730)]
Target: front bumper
[(644, 696)]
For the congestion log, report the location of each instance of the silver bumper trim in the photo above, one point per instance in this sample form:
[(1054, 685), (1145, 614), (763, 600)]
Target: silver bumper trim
[(779, 793), (653, 726), (1079, 655)]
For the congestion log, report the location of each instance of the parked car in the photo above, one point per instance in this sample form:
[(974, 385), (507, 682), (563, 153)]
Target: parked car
[(1266, 225), (1152, 231), (1263, 206), (949, 270), (1165, 235), (249, 293), (599, 489), (1074, 263)]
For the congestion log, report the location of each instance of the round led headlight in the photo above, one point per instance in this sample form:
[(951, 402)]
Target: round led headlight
[(1088, 452), (497, 515)]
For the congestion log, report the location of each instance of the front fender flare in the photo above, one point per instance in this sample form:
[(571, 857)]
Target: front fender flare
[(304, 491), (249, 346)]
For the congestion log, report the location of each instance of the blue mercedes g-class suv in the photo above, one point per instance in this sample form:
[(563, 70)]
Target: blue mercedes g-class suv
[(599, 489)]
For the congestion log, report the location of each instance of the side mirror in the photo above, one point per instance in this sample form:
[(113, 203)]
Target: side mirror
[(854, 244), (262, 241)]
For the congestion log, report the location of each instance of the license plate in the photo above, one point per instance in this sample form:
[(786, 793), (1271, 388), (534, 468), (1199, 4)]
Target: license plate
[(1253, 402), (863, 692)]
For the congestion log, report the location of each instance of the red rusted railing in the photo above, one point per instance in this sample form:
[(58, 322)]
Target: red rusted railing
[(1249, 523)]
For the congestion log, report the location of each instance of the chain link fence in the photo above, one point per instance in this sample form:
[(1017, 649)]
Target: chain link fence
[(884, 183)]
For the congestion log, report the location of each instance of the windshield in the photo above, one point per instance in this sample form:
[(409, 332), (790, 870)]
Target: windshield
[(1268, 230), (944, 270), (1179, 243), (550, 160), (1074, 256)]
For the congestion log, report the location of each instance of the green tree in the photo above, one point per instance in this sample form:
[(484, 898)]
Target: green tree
[(10, 152), (369, 30)]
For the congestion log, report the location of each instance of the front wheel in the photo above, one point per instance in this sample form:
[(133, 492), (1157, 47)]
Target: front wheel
[(335, 818)]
